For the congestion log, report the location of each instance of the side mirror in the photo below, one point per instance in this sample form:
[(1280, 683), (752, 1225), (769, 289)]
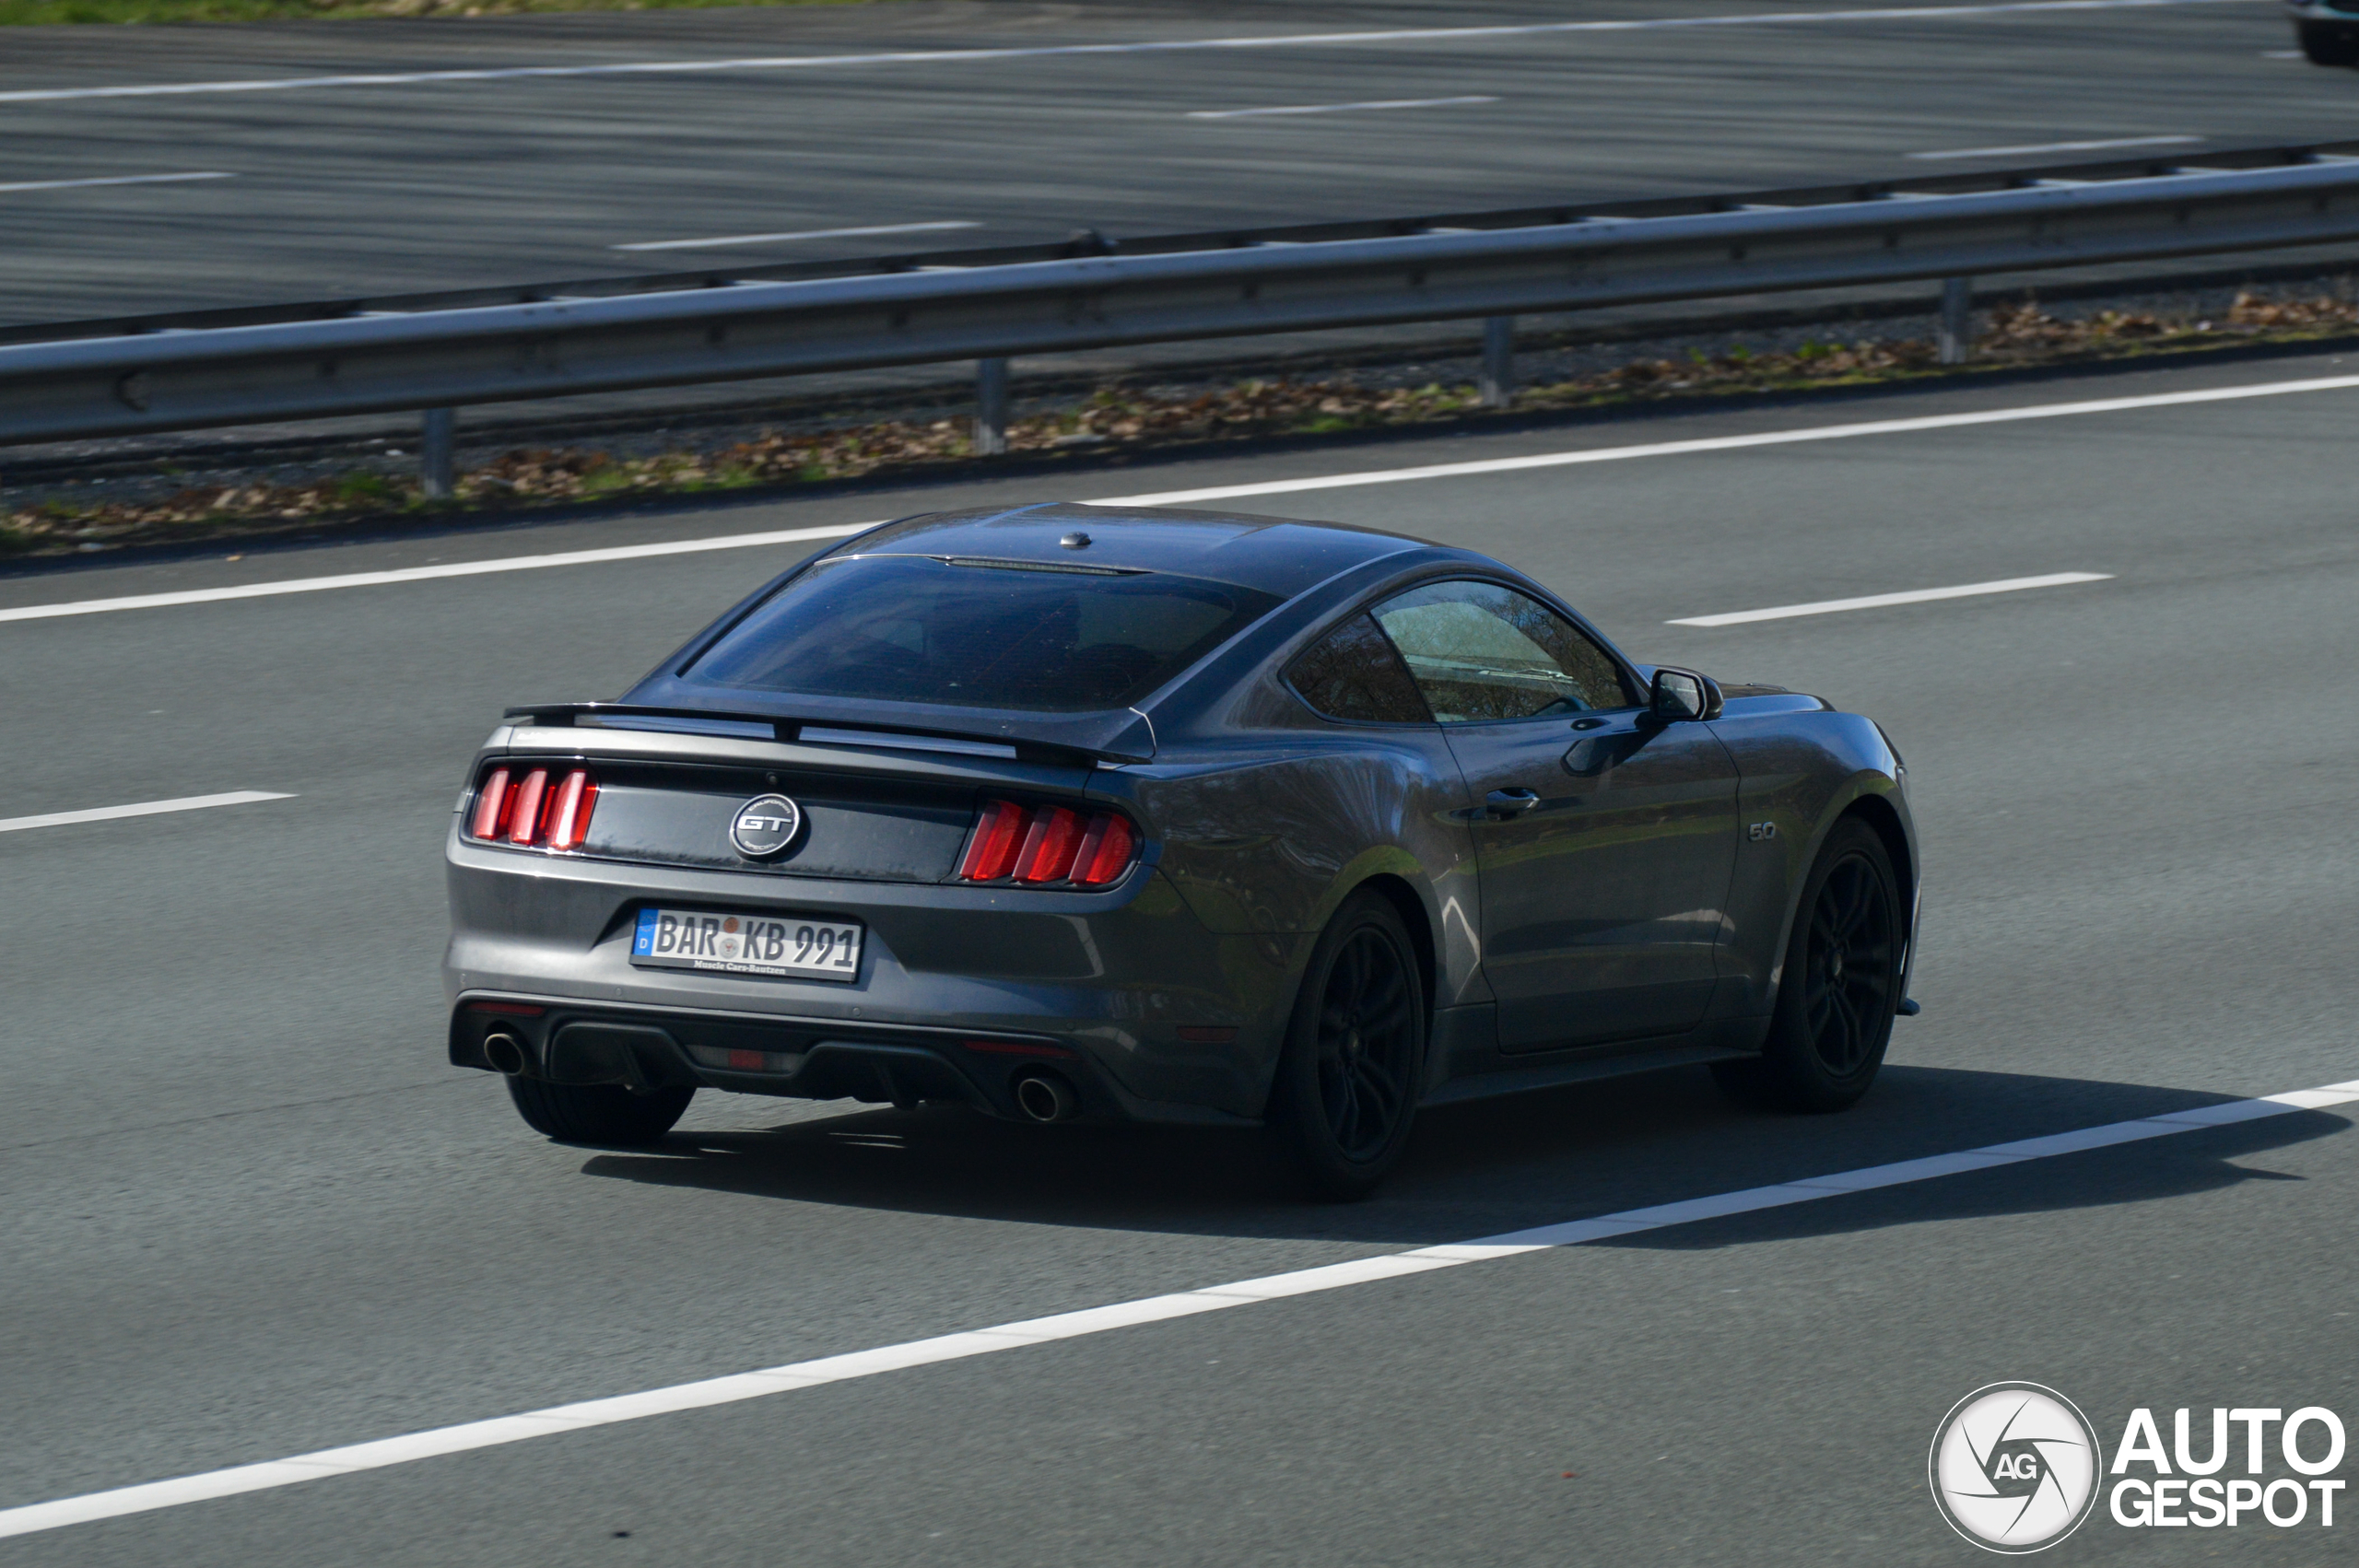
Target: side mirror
[(1682, 693)]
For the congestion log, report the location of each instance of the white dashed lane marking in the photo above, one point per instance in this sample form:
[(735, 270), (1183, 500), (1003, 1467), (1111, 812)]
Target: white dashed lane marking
[(142, 808), (1878, 601)]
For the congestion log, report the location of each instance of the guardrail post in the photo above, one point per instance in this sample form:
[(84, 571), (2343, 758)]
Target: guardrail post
[(1497, 381), (990, 407), (438, 452), (1957, 320)]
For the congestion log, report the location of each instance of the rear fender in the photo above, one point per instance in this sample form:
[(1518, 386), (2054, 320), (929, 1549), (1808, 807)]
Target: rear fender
[(1273, 846)]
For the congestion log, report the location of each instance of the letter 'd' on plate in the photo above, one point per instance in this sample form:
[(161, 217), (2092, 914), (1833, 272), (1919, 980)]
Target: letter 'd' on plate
[(746, 944)]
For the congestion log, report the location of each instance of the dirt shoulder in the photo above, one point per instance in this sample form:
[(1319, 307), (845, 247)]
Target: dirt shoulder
[(50, 13)]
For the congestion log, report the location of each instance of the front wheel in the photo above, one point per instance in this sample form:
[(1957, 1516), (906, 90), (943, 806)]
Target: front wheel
[(2324, 45), (1347, 1080), (598, 1113), (1840, 986)]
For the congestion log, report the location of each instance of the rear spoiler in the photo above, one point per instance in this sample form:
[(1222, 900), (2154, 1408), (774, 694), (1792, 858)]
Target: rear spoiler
[(1123, 737)]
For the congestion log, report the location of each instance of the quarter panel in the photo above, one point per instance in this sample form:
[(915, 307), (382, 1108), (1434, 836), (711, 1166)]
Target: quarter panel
[(1264, 844)]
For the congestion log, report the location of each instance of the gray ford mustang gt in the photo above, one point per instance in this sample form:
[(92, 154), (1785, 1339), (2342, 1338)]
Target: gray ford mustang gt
[(1071, 813)]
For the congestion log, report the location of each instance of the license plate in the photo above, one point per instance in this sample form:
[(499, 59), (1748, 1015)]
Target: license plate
[(746, 944)]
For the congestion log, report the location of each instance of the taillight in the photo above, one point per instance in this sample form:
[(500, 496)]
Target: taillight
[(998, 837), (491, 806), (1044, 846), (569, 817), (538, 809)]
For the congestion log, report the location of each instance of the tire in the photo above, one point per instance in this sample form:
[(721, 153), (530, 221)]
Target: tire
[(1839, 987), (2325, 44), (598, 1113), (1347, 1079)]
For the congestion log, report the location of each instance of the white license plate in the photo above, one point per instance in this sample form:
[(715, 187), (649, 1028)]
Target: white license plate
[(746, 944)]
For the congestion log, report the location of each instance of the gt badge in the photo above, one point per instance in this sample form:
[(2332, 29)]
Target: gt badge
[(765, 826)]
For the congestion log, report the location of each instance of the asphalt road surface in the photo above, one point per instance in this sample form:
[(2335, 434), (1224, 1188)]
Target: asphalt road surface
[(257, 182), (250, 1215)]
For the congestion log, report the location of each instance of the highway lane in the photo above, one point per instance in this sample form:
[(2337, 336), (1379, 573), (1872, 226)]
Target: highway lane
[(413, 184), (250, 1215)]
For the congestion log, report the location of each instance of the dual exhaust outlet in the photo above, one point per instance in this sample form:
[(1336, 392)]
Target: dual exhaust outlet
[(506, 1053), (1043, 1095), (1040, 1095)]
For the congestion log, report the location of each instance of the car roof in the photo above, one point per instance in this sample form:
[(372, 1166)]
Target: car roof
[(1275, 554)]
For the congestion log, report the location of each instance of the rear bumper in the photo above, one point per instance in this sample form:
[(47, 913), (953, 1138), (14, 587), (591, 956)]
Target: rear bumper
[(569, 1041), (1162, 1019)]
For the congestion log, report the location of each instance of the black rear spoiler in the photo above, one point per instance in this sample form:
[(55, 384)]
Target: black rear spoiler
[(1125, 737)]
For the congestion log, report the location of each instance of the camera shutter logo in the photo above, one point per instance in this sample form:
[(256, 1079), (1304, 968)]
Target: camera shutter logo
[(765, 826), (2015, 1467)]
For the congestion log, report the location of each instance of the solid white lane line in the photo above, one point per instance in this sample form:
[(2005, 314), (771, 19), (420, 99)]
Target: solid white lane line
[(143, 808), (500, 1430), (797, 234), (1210, 493), (1731, 443), (112, 179), (1039, 51), (1336, 108), (427, 573), (1878, 601), (2060, 146)]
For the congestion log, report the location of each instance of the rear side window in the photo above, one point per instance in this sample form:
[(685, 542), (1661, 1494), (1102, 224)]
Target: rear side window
[(1353, 675), (978, 633), (1480, 652)]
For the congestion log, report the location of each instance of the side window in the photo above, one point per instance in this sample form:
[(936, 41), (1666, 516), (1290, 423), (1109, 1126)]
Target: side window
[(1482, 652), (1353, 673)]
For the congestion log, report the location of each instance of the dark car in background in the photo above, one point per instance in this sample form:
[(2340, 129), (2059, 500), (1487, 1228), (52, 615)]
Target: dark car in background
[(2327, 30), (1066, 812)]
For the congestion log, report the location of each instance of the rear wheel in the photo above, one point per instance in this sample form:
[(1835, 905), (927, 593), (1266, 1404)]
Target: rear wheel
[(1347, 1081), (1840, 987), (597, 1113), (2325, 44)]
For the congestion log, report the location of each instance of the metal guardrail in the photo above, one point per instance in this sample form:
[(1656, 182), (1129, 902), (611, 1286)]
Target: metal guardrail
[(436, 352)]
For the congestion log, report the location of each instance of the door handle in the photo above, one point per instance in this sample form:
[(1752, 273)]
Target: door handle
[(1505, 803)]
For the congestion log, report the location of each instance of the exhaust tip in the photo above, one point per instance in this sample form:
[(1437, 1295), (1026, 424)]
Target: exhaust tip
[(505, 1052), (1046, 1096)]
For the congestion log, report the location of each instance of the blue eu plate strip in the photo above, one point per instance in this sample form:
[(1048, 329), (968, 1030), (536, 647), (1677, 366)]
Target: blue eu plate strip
[(643, 945)]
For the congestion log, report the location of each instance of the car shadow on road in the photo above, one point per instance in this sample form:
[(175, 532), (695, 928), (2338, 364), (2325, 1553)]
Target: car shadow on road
[(1489, 1167)]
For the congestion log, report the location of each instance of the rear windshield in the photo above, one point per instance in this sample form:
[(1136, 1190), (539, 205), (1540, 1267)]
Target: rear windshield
[(979, 634)]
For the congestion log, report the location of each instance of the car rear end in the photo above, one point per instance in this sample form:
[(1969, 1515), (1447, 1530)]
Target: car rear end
[(871, 836), (951, 921)]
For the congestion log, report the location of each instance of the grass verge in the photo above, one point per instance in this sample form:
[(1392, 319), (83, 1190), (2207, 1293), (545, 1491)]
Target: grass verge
[(1115, 420)]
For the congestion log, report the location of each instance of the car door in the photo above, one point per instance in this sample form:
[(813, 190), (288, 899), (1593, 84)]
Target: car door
[(1604, 837)]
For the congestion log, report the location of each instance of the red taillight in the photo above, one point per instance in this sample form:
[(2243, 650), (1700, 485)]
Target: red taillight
[(1049, 846), (569, 819), (525, 816), (491, 806), (1109, 856), (535, 812), (1043, 844), (998, 836)]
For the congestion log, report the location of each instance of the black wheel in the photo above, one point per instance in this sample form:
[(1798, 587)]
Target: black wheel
[(1840, 986), (597, 1113), (1347, 1081), (2325, 44)]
